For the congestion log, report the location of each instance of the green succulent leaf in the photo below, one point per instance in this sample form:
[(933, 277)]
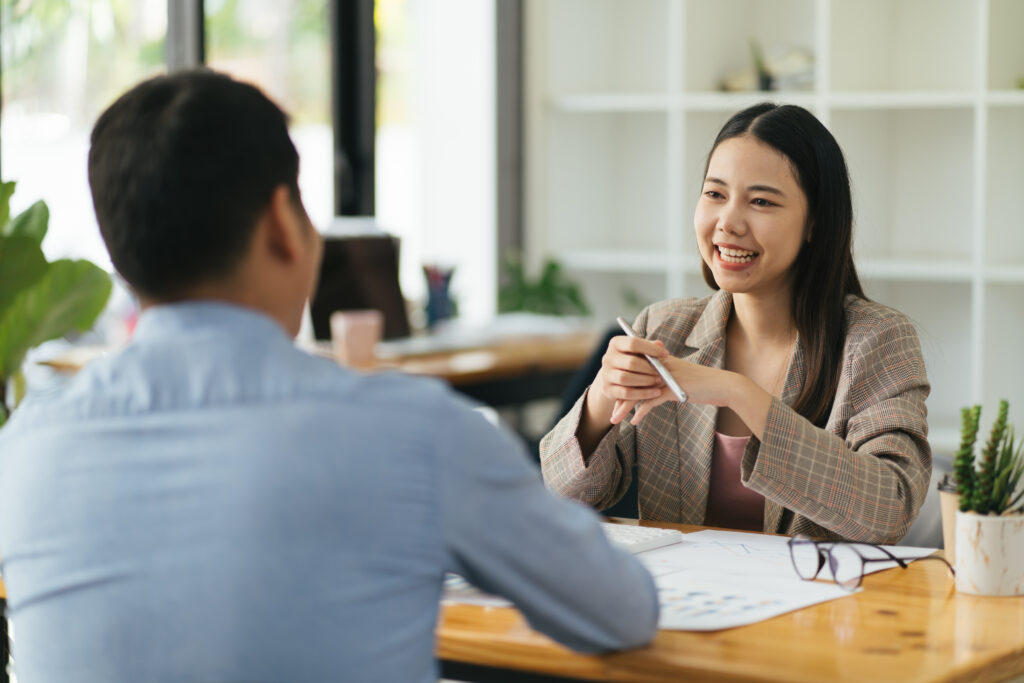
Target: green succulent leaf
[(31, 223), (6, 190), (70, 296), (22, 264)]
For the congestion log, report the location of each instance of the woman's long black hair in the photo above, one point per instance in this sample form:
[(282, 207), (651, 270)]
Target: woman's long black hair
[(823, 273)]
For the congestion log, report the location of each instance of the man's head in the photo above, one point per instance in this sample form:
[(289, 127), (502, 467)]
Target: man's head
[(195, 183)]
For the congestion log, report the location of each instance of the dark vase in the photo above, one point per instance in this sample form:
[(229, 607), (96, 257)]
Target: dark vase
[(439, 300)]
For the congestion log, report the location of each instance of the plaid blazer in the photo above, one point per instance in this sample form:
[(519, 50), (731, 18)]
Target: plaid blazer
[(862, 477)]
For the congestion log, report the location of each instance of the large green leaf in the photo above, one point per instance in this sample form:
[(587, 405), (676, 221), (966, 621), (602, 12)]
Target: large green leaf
[(31, 222), (69, 296), (22, 264), (6, 190)]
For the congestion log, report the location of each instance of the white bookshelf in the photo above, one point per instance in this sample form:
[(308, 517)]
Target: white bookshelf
[(622, 105)]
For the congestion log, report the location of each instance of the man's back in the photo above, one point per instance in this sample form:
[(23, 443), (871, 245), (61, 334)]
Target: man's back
[(213, 504)]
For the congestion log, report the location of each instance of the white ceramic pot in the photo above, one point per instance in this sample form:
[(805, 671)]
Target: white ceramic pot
[(989, 554)]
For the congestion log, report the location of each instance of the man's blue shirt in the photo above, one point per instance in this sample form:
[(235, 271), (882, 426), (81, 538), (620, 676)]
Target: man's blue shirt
[(213, 504)]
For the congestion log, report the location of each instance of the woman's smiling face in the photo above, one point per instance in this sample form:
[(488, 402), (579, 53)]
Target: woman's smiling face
[(751, 220)]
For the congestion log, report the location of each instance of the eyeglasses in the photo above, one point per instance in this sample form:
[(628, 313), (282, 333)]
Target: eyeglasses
[(846, 562)]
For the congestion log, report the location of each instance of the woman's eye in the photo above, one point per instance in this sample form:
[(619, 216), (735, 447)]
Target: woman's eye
[(713, 194), (761, 201)]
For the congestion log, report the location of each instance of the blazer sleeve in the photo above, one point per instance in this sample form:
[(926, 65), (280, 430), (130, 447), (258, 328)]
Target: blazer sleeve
[(866, 474), (603, 478), (600, 480)]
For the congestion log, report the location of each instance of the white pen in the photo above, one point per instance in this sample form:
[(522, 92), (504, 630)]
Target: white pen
[(662, 370)]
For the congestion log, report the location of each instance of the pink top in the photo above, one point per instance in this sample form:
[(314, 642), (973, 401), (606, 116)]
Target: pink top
[(730, 503)]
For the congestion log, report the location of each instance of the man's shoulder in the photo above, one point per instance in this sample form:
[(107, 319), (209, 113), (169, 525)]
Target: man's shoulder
[(145, 380)]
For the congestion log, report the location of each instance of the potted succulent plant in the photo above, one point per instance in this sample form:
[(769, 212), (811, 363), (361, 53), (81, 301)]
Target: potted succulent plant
[(990, 521)]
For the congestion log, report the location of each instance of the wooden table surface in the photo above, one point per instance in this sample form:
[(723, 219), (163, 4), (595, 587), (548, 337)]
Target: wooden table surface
[(905, 625), (495, 360), (503, 359)]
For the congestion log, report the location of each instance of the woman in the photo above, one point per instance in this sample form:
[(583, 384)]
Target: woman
[(806, 402)]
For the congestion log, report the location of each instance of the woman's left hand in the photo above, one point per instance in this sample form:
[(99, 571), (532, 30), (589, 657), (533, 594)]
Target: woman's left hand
[(701, 384)]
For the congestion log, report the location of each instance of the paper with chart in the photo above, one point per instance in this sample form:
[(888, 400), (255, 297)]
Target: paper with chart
[(714, 580), (722, 579)]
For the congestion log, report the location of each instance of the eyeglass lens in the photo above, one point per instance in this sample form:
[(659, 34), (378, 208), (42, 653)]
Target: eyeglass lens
[(807, 559), (846, 564)]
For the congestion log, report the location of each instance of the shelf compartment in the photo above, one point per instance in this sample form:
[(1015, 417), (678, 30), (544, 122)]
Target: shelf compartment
[(945, 335), (1004, 239), (903, 44), (921, 99), (1005, 47), (719, 33), (1005, 98), (734, 102), (915, 271), (1002, 369), (911, 173), (612, 46), (613, 102), (1005, 274), (606, 187)]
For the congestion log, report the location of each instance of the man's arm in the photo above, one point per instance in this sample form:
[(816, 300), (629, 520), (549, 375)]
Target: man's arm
[(509, 536)]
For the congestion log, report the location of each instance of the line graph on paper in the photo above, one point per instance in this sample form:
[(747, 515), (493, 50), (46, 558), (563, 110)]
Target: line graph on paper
[(723, 552)]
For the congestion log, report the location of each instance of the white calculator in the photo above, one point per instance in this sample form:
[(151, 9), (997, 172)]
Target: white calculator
[(637, 539)]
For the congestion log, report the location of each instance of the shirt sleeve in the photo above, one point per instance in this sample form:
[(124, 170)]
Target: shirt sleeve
[(510, 536), (868, 481)]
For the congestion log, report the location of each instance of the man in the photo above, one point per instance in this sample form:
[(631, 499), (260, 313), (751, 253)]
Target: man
[(213, 504)]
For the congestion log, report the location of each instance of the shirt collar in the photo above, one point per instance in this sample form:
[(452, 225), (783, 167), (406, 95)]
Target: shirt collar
[(187, 317)]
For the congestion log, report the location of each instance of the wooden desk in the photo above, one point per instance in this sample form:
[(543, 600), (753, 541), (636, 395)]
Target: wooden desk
[(513, 371), (908, 626)]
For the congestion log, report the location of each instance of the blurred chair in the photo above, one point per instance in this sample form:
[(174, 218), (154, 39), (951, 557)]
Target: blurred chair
[(360, 273)]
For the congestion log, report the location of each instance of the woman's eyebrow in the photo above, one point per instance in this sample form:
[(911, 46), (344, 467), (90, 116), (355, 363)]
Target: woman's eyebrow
[(766, 188), (753, 188)]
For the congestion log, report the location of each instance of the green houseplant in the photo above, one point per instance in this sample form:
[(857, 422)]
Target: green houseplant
[(988, 484), (39, 300), (989, 546), (550, 293)]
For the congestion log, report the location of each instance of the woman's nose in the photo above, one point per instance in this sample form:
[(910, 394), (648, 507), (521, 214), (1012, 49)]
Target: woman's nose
[(730, 220)]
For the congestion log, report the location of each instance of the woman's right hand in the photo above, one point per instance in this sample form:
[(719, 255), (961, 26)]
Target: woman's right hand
[(625, 379)]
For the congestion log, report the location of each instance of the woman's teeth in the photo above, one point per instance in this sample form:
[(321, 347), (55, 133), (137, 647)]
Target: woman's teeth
[(736, 255)]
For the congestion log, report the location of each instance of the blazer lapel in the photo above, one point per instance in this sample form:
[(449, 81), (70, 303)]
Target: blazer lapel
[(695, 424), (795, 375)]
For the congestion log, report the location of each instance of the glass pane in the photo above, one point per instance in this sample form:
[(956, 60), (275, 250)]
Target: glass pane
[(63, 63), (435, 164), (283, 46), (396, 158)]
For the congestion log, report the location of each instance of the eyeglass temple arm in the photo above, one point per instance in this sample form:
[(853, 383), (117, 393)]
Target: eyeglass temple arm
[(891, 558), (904, 562)]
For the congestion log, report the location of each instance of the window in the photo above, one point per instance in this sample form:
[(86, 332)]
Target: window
[(63, 63), (283, 46)]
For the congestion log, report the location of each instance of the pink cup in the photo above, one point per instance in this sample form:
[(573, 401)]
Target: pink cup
[(354, 337)]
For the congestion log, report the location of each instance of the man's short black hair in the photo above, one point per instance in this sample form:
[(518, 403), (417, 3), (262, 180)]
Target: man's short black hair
[(180, 167)]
